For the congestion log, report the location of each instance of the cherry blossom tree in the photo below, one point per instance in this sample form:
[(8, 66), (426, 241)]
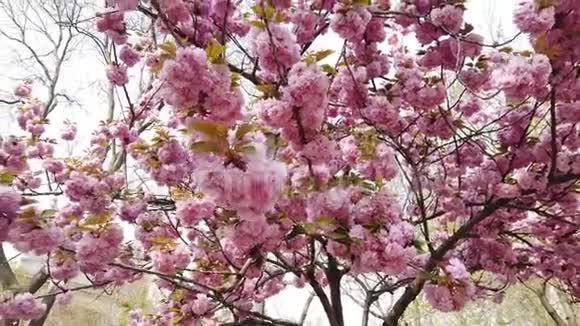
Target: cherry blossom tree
[(260, 157)]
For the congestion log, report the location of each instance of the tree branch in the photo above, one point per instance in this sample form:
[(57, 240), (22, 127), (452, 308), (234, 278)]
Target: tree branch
[(553, 134), (323, 298), (413, 289), (304, 313), (334, 275)]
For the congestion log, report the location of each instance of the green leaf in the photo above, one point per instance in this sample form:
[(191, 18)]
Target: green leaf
[(258, 24), (328, 69), (180, 193), (257, 9), (543, 4), (309, 228), (212, 129), (6, 177), (550, 50), (214, 50), (48, 213), (162, 240), (369, 185), (532, 141), (243, 130), (459, 123), (420, 245), (340, 236), (280, 17), (177, 295), (319, 55), (269, 90), (205, 147), (325, 221), (265, 12), (235, 80), (506, 49), (249, 149), (481, 64), (169, 48), (269, 12), (98, 219)]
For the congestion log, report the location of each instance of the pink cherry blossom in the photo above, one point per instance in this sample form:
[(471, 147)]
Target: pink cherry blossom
[(277, 53), (95, 251), (448, 17), (22, 90), (117, 74), (129, 56), (112, 24), (305, 25), (125, 5), (274, 113), (350, 24), (22, 306), (531, 19), (530, 76), (9, 203), (194, 211), (69, 131)]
